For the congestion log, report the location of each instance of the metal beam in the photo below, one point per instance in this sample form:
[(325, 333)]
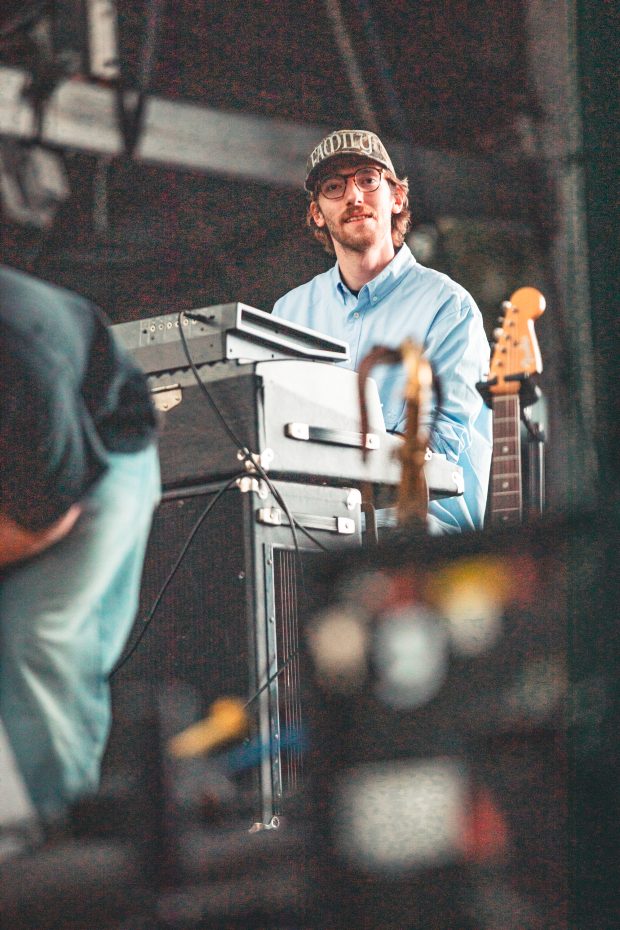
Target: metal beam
[(186, 136), (82, 116)]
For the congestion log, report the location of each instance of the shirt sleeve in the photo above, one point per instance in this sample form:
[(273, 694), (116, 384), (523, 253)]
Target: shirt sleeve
[(460, 425), (458, 351)]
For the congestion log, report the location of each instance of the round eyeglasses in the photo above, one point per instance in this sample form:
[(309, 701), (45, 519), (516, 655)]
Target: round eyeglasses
[(366, 179)]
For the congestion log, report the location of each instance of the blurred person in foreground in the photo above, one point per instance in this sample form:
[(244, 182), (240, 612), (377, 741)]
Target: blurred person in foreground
[(378, 294), (79, 479)]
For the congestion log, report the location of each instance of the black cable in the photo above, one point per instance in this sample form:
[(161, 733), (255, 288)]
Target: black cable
[(260, 471), (229, 430), (262, 474), (303, 529), (247, 455), (192, 533), (295, 524), (272, 678)]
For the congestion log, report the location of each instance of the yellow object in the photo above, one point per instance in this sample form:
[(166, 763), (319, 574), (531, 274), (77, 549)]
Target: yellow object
[(227, 720), (488, 573), (471, 594)]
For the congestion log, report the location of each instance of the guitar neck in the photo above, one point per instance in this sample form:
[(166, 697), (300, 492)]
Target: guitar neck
[(506, 490)]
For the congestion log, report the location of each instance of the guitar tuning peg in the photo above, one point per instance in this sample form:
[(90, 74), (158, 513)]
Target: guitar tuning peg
[(505, 306), (497, 333)]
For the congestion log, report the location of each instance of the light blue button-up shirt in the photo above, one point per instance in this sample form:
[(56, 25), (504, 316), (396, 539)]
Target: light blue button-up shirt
[(408, 300)]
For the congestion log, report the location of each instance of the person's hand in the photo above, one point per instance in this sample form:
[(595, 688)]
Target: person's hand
[(18, 544)]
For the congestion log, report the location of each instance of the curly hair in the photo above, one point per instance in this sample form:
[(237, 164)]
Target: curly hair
[(400, 221)]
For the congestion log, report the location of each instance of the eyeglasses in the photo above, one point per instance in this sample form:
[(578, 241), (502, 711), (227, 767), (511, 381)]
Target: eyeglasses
[(366, 179)]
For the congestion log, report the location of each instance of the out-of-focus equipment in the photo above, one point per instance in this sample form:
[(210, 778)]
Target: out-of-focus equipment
[(515, 358), (443, 726), (413, 490), (461, 769)]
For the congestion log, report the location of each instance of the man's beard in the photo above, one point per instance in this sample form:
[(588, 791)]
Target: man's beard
[(349, 236)]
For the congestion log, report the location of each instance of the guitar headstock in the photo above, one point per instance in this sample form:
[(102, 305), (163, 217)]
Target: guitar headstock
[(515, 349)]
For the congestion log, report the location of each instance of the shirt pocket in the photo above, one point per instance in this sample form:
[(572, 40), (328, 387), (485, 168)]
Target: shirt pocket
[(391, 382), (393, 413)]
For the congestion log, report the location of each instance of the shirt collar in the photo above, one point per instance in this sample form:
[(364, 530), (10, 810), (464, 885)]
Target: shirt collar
[(385, 281)]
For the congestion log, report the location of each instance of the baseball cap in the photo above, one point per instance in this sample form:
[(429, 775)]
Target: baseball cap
[(360, 142)]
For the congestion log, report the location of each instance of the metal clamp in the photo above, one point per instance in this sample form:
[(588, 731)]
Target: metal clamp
[(248, 484), (256, 459)]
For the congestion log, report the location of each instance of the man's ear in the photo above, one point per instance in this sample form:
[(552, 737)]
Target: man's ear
[(315, 213), (399, 197)]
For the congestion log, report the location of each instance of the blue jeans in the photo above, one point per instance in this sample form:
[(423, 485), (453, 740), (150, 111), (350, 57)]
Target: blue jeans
[(64, 618)]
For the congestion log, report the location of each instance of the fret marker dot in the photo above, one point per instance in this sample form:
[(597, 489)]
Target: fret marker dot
[(504, 448)]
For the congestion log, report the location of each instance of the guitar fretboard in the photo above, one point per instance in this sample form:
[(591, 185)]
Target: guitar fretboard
[(506, 502)]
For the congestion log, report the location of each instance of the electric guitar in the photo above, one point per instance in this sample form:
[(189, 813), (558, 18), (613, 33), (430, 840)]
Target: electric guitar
[(514, 358)]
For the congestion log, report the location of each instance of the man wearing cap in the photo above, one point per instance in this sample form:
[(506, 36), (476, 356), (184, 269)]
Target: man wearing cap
[(378, 294)]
